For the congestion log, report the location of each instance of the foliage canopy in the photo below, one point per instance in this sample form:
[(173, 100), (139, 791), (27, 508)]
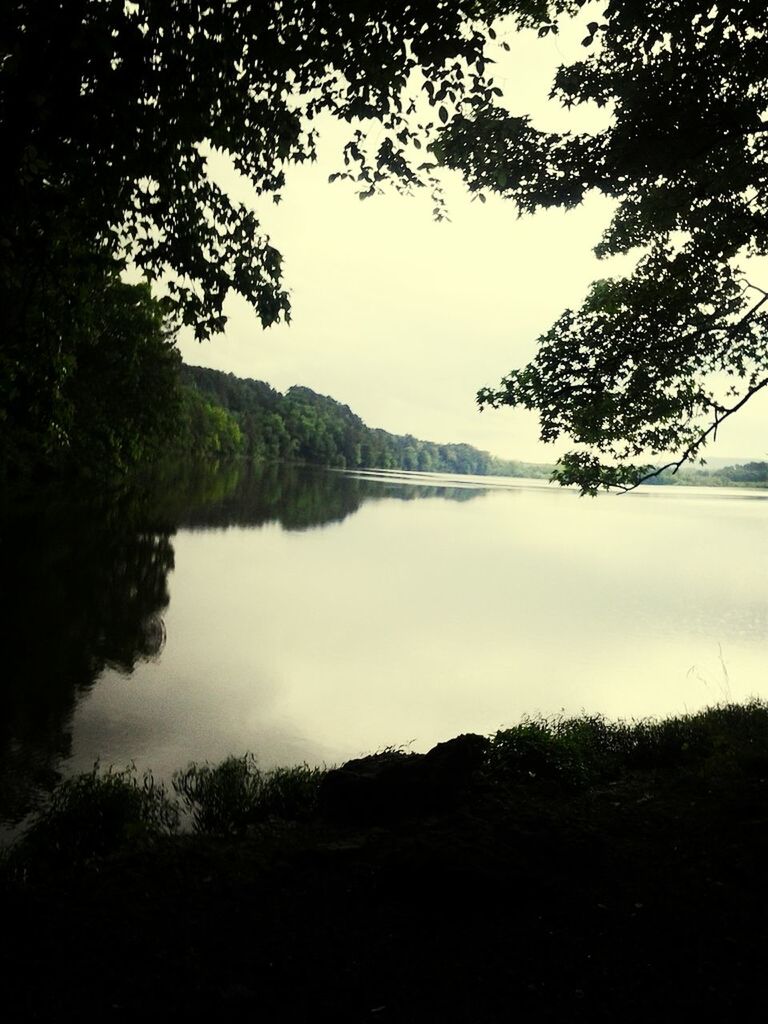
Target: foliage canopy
[(106, 110)]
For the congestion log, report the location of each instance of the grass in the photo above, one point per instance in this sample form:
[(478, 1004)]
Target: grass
[(583, 750), (229, 797), (596, 871), (92, 815)]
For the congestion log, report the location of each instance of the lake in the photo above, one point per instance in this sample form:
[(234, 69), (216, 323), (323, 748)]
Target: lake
[(310, 615)]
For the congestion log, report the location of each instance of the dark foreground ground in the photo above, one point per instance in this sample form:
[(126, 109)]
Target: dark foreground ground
[(553, 886)]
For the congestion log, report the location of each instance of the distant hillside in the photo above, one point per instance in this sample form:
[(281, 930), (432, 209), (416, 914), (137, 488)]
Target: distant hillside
[(228, 415), (750, 474), (715, 462)]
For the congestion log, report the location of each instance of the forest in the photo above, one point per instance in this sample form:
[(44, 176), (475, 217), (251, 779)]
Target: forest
[(222, 415)]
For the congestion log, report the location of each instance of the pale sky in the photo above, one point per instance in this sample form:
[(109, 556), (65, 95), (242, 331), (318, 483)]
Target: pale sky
[(403, 319)]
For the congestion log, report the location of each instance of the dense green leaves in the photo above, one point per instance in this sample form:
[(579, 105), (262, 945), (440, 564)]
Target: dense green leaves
[(204, 429), (87, 372)]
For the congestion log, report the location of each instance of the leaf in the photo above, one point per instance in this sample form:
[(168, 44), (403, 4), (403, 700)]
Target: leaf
[(443, 114)]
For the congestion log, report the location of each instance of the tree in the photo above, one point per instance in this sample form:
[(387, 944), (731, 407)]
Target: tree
[(88, 370), (651, 363), (106, 109)]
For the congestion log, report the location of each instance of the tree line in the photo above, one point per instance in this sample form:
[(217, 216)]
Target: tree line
[(749, 474), (222, 415)]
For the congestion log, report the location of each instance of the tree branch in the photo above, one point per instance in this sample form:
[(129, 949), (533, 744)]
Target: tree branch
[(701, 440)]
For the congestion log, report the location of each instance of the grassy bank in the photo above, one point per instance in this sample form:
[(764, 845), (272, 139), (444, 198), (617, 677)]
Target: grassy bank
[(570, 869)]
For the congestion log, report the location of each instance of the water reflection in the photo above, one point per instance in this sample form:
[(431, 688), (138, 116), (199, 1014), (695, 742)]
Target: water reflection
[(85, 587), (297, 497), (316, 615)]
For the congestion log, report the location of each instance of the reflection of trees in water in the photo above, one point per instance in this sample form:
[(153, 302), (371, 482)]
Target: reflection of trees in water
[(302, 497), (85, 583), (83, 588)]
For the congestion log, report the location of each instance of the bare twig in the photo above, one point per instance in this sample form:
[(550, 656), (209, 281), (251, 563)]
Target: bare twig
[(753, 287)]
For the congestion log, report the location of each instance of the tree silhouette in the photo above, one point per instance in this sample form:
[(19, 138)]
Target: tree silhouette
[(653, 362)]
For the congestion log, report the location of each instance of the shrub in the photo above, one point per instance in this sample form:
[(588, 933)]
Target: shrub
[(580, 750), (228, 797), (93, 814)]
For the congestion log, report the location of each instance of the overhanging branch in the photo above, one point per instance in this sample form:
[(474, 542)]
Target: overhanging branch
[(701, 440), (721, 413)]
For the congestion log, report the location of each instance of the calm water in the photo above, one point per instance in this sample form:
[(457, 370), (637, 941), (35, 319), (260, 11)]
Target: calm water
[(309, 615)]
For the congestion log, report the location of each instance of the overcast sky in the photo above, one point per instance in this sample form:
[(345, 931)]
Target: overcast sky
[(404, 319)]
